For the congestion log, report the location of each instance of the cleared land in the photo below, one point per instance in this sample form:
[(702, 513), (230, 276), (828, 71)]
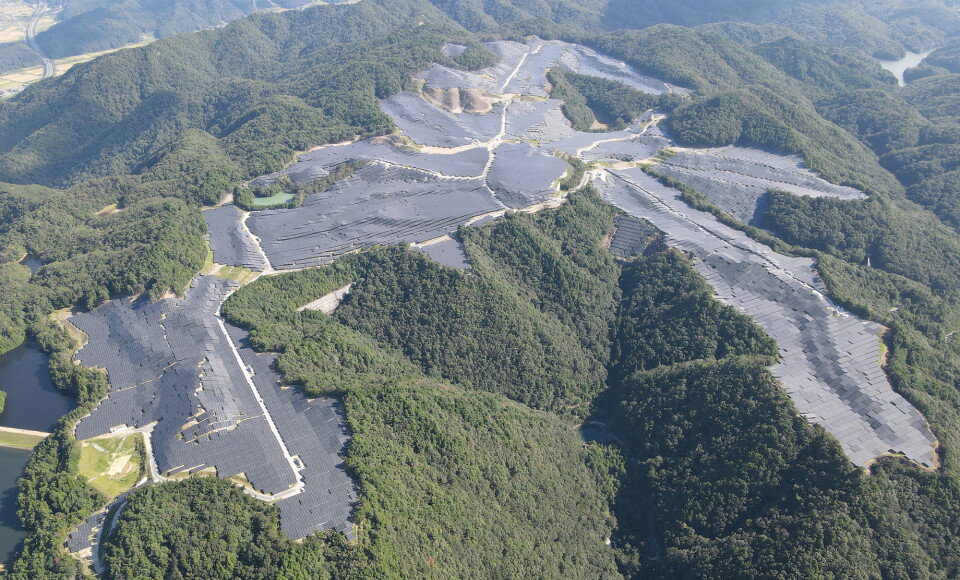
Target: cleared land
[(112, 465)]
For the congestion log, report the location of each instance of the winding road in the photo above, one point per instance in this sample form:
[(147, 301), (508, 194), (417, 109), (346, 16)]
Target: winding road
[(48, 66)]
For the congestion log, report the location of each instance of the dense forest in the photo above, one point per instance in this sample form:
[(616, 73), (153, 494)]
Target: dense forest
[(462, 389)]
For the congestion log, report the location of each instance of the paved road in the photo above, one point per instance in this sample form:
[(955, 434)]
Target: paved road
[(48, 67)]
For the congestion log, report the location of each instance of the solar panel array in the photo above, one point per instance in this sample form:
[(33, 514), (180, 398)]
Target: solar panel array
[(636, 149), (449, 253), (522, 175), (170, 361), (378, 205), (736, 178), (830, 361), (315, 431), (632, 236), (84, 536), (430, 125), (319, 163), (230, 243)]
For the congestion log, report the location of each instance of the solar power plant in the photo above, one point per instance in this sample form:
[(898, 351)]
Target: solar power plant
[(522, 68), (448, 252), (454, 50), (522, 175), (230, 243), (83, 537), (830, 360), (490, 79), (531, 80), (321, 162), (313, 430), (171, 362), (85, 534), (632, 236), (636, 149), (380, 204), (430, 125), (736, 178), (528, 119)]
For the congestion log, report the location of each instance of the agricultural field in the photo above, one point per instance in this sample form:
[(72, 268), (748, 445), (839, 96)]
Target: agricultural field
[(14, 81)]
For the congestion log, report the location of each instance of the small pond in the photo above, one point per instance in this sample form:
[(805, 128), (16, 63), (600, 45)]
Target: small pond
[(32, 400), (12, 462), (33, 262)]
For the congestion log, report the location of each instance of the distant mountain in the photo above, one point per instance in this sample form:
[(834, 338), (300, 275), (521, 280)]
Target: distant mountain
[(93, 25)]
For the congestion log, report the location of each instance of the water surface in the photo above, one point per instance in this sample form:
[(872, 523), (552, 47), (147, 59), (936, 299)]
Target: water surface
[(898, 67), (32, 400), (12, 462), (593, 433), (33, 262)]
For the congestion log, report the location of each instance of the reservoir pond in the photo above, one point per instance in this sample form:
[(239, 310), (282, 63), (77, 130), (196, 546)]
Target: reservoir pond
[(32, 400), (898, 67), (12, 463)]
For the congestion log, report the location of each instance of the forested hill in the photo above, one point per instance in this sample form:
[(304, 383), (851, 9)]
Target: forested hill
[(92, 25)]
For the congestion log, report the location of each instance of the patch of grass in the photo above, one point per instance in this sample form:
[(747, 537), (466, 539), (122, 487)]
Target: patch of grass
[(108, 210), (208, 265), (238, 273), (61, 318), (19, 440), (112, 465), (275, 199)]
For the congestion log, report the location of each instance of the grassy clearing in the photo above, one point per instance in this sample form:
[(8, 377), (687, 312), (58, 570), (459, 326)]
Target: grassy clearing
[(19, 440), (209, 267), (60, 317), (112, 465), (108, 210), (240, 274)]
